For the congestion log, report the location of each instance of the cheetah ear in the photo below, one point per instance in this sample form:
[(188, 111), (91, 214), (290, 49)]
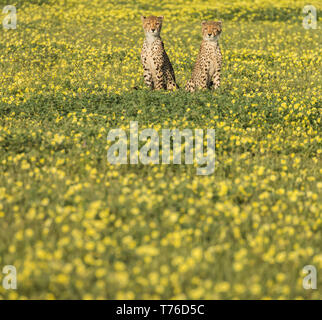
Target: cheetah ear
[(143, 18), (220, 23), (203, 22), (161, 18)]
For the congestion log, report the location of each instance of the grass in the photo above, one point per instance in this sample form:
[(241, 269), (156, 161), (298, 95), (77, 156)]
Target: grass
[(77, 227)]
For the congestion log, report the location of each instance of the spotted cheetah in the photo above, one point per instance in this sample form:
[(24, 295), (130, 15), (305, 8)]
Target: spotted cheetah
[(158, 72), (206, 72)]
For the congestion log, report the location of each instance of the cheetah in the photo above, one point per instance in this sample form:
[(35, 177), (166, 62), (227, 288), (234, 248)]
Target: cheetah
[(158, 71), (206, 72)]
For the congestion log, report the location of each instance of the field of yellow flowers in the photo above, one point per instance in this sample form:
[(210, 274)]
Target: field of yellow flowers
[(76, 227)]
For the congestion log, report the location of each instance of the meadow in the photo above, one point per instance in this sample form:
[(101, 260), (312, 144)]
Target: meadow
[(76, 227)]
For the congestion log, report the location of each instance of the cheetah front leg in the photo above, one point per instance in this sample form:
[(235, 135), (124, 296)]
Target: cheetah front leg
[(148, 79), (159, 82), (201, 83), (171, 81), (147, 74), (190, 86), (215, 79)]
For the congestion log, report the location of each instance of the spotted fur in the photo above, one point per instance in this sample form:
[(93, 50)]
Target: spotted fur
[(158, 72), (207, 69)]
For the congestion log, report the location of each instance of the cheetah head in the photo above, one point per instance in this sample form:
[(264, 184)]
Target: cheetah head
[(152, 25), (211, 30)]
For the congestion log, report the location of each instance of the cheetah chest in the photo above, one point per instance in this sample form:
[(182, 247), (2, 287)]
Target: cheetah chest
[(211, 58), (151, 63), (152, 58)]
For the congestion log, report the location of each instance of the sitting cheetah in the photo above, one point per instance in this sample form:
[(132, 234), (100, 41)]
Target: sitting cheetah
[(206, 72), (158, 72)]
